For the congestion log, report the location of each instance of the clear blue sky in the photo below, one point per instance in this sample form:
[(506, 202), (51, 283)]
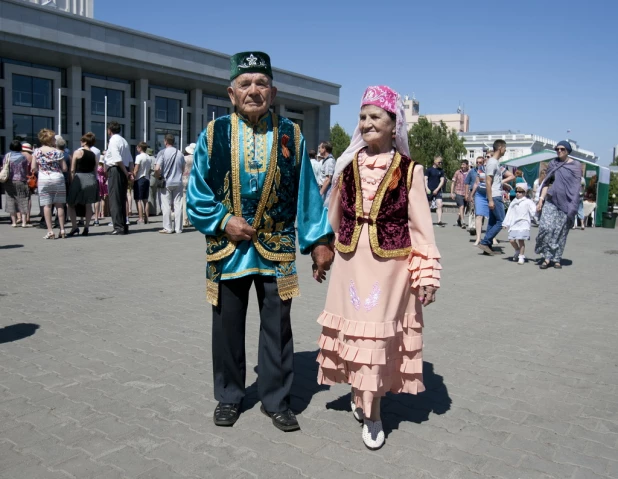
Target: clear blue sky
[(537, 66)]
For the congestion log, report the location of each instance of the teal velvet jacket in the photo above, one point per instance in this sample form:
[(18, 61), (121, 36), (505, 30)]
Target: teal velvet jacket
[(263, 174)]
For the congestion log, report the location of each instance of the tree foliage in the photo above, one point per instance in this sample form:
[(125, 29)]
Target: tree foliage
[(427, 140), (615, 162), (339, 139), (613, 186)]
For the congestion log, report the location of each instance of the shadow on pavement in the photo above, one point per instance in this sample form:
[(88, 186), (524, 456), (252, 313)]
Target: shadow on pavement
[(304, 387), (15, 332), (398, 408), (11, 246)]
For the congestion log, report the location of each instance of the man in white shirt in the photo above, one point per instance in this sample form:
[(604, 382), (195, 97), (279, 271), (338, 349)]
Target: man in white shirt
[(170, 167), (117, 161), (327, 169)]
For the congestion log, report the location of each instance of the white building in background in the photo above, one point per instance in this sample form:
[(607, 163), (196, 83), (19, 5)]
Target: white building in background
[(517, 144), (85, 8), (458, 122)]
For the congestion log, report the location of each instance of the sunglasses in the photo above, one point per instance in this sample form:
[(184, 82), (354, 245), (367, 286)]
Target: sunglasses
[(519, 191), (560, 149)]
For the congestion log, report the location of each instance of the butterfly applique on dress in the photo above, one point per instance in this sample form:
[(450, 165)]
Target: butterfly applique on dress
[(371, 301)]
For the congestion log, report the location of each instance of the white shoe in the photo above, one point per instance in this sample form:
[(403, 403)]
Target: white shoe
[(522, 259), (357, 412), (373, 434)]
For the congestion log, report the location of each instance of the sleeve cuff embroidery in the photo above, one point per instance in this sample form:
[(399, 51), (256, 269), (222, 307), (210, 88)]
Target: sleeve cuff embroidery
[(224, 221)]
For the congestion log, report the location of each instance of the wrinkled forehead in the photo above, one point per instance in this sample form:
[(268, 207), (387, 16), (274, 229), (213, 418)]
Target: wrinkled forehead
[(374, 110), (248, 78)]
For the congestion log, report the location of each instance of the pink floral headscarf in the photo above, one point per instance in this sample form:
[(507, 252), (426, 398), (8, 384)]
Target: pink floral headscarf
[(389, 100)]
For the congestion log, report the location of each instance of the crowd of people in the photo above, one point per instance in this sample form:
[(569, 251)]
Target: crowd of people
[(488, 192), (366, 214), (88, 182)]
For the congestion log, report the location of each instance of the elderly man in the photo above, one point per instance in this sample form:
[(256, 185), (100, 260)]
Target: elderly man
[(251, 181)]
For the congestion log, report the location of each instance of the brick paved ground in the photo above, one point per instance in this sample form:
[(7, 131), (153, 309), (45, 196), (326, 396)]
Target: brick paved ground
[(105, 369)]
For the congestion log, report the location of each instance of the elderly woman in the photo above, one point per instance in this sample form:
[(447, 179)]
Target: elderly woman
[(558, 205), (84, 189), (50, 164), (17, 192), (386, 265)]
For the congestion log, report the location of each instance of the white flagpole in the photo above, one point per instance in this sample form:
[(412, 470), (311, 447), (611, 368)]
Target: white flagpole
[(145, 120), (182, 122), (60, 111), (105, 135)]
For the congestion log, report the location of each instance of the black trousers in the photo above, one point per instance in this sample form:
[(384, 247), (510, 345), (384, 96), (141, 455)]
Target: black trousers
[(117, 184), (275, 350)]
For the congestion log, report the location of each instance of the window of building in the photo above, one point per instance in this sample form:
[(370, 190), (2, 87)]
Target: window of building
[(27, 127), (214, 111), (471, 155), (189, 130), (32, 92), (160, 138), (115, 102), (213, 97), (167, 110), (1, 109), (99, 130), (133, 115)]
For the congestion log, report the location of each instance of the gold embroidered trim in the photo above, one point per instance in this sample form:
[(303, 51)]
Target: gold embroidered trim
[(254, 146), (223, 222), (410, 175), (210, 133), (359, 211), (288, 287), (225, 252), (297, 143), (373, 215), (235, 147), (238, 274), (212, 292)]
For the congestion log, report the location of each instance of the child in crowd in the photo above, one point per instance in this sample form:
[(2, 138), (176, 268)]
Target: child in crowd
[(99, 208), (518, 220)]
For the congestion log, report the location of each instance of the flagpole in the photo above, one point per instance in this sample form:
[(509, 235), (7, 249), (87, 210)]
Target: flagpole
[(60, 111), (105, 135), (145, 120)]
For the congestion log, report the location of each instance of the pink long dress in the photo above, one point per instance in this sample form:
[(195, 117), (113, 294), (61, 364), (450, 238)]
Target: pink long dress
[(372, 322)]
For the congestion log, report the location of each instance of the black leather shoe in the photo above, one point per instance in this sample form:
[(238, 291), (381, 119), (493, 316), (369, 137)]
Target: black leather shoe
[(226, 414), (284, 421)]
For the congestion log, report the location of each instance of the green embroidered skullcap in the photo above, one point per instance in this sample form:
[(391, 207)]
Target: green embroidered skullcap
[(250, 62)]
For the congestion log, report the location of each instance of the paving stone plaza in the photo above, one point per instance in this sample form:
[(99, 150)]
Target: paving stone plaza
[(106, 370)]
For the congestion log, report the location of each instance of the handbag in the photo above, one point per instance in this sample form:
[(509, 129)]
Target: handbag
[(32, 181), (4, 174)]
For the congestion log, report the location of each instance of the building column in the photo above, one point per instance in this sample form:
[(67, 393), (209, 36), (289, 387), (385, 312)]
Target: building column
[(198, 110), (323, 123), (74, 107)]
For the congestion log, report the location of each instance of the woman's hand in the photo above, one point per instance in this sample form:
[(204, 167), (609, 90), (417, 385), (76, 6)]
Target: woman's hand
[(539, 206), (427, 295)]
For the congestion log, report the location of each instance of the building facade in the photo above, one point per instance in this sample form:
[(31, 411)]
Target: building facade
[(84, 69), (458, 122), (84, 8), (517, 144)]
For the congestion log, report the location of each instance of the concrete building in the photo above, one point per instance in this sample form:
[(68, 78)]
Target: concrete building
[(56, 70), (518, 144), (84, 8), (459, 122)]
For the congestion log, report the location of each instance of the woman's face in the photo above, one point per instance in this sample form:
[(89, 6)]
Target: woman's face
[(562, 152), (375, 125)]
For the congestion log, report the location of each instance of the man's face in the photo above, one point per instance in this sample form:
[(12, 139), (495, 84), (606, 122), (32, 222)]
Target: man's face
[(322, 151), (464, 167), (438, 163), (252, 94)]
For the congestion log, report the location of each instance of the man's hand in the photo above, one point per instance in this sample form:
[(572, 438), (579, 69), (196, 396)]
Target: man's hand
[(427, 295), (323, 257), (491, 204), (435, 192), (452, 196), (238, 229)]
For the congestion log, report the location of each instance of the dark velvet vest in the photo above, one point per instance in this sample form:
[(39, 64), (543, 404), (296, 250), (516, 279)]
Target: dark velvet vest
[(388, 219), (273, 215)]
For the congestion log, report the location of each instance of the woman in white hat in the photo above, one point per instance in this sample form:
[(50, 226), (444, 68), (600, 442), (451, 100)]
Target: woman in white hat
[(189, 150)]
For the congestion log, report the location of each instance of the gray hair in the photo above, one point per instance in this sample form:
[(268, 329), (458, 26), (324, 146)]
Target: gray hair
[(60, 142)]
